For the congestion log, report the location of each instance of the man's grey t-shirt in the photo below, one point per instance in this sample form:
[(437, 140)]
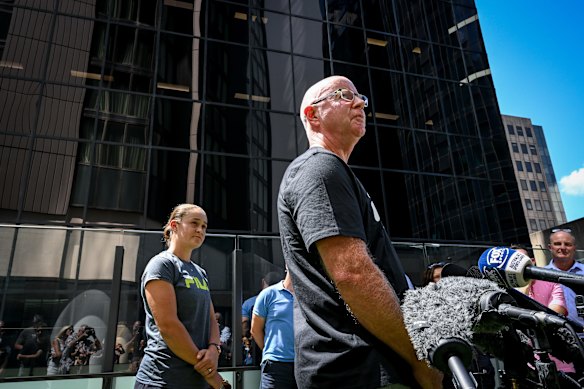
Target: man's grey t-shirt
[(160, 366), (320, 197)]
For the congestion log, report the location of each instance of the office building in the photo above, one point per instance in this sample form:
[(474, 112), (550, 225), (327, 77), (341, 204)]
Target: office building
[(113, 112), (537, 183)]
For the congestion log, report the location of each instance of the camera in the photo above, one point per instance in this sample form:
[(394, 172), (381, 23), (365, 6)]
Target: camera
[(89, 331)]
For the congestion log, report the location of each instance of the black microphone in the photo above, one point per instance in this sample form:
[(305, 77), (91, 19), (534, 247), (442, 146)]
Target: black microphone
[(513, 269)]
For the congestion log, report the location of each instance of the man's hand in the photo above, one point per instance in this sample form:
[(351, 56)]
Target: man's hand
[(427, 377)]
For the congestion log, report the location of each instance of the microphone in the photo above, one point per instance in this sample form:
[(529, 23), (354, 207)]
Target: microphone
[(513, 269), (441, 319)]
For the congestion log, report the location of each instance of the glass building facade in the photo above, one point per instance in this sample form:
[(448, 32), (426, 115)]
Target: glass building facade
[(112, 112)]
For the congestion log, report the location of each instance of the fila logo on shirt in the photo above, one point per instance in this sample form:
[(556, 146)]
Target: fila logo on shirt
[(190, 280)]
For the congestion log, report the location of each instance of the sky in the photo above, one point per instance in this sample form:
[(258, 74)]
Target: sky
[(536, 55)]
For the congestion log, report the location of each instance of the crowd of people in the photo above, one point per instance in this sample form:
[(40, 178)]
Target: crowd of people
[(333, 320)]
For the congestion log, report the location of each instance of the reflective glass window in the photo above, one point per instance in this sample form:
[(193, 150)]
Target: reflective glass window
[(528, 167), (537, 167), (469, 156), (378, 16), (397, 148), (519, 130), (523, 148), (528, 132), (528, 204), (183, 17), (227, 78), (387, 101), (309, 37), (537, 205), (272, 82), (383, 51), (510, 129), (434, 154), (523, 184), (514, 147), (417, 57), (519, 165), (347, 44), (227, 130), (271, 30), (228, 22), (424, 98), (542, 186)]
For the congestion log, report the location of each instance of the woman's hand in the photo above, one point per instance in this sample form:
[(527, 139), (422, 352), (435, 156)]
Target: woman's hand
[(207, 366)]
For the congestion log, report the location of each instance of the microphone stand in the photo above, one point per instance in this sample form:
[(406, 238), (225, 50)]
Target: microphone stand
[(453, 355), (545, 367)]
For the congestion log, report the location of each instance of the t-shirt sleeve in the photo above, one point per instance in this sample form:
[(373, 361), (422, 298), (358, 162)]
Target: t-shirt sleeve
[(159, 268), (557, 297), (261, 305), (326, 201)]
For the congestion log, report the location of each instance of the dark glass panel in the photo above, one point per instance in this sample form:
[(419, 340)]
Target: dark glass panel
[(344, 13), (477, 211), (175, 68), (272, 84), (226, 189), (271, 30), (142, 12), (424, 98), (228, 22), (16, 108), (347, 44), (476, 66), (309, 38), (468, 160), (182, 17), (396, 148), (459, 111), (442, 209), (387, 98), (165, 189), (487, 112), (309, 9), (176, 123), (417, 57), (440, 21), (434, 152), (378, 16), (227, 73), (307, 72), (365, 152), (411, 19), (275, 133), (273, 5), (498, 157), (404, 205), (301, 139), (383, 51), (278, 170), (226, 130), (449, 63), (262, 200)]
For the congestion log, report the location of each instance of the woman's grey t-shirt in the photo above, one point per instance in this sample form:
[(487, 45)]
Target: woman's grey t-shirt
[(160, 366)]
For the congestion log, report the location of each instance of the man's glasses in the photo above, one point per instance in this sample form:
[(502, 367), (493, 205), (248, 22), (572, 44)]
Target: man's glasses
[(554, 230), (344, 94)]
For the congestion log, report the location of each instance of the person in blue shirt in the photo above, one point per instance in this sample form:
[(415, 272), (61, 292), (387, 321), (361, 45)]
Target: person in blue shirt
[(273, 330)]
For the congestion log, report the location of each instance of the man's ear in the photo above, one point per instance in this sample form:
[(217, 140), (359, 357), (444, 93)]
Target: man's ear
[(310, 113)]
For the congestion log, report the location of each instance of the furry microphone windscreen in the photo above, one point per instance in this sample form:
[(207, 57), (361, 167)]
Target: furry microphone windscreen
[(447, 309)]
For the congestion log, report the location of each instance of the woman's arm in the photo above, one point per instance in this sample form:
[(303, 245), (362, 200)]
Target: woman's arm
[(162, 302)]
